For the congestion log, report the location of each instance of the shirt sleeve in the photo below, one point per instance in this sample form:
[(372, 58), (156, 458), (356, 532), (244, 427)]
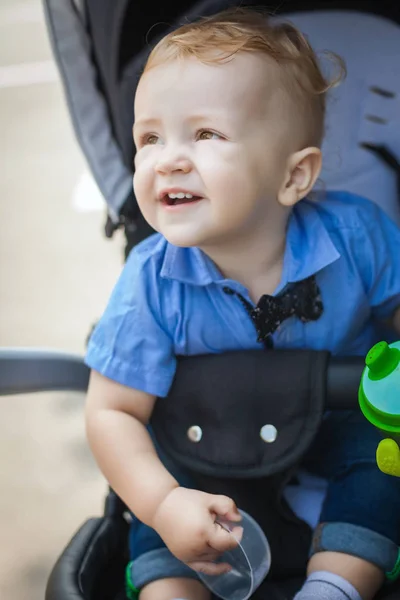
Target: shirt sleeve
[(380, 261), (131, 344)]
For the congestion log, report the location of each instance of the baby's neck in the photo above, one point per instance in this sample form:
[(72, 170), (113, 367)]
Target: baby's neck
[(256, 264)]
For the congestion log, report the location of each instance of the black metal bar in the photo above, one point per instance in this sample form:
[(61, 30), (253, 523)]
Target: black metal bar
[(33, 370)]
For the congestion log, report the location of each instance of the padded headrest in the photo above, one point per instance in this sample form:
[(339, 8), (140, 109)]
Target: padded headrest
[(365, 107)]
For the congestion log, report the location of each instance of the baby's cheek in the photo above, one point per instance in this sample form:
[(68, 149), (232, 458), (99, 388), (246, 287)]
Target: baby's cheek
[(143, 180), (234, 187), (137, 184)]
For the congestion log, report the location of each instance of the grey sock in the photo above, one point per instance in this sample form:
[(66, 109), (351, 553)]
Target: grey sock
[(328, 586)]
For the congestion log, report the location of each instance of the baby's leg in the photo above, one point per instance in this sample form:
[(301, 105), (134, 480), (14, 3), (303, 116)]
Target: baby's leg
[(339, 576), (175, 589), (357, 541), (156, 574)]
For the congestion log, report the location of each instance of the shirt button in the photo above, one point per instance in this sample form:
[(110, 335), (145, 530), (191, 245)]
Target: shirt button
[(227, 290)]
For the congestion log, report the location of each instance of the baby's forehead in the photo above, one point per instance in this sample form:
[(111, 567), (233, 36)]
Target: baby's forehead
[(247, 77), (243, 67)]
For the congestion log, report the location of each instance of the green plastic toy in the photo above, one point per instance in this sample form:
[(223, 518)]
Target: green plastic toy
[(379, 399)]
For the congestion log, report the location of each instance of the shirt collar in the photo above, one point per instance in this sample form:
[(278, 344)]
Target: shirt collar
[(189, 265), (309, 248)]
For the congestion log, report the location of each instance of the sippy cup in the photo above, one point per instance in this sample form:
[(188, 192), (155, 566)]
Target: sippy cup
[(379, 399)]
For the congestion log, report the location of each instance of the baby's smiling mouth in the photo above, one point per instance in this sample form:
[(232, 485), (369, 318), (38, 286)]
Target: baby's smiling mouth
[(178, 198)]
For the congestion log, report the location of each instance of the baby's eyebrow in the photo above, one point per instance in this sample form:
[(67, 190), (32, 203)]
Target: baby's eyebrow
[(200, 118), (147, 122)]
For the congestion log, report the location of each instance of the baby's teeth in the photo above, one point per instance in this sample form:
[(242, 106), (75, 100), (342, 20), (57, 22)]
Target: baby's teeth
[(180, 196)]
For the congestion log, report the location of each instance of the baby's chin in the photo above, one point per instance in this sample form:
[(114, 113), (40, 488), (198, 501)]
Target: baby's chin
[(182, 238), (181, 241)]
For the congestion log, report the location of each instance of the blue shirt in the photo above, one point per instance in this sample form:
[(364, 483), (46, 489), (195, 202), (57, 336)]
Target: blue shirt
[(170, 301)]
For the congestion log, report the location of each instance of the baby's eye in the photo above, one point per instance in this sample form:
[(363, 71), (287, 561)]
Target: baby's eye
[(150, 139), (205, 134)]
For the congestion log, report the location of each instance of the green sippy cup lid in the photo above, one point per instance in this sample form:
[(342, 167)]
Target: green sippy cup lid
[(378, 393), (381, 360)]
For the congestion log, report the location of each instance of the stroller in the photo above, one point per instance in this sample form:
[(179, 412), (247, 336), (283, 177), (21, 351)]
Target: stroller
[(100, 47)]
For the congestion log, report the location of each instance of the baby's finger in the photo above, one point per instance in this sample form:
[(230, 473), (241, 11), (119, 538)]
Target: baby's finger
[(237, 533), (210, 556), (221, 540), (224, 507), (210, 568)]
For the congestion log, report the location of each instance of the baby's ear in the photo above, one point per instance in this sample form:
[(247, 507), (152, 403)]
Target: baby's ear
[(303, 169)]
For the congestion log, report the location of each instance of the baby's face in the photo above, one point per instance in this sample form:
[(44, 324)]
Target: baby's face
[(212, 145)]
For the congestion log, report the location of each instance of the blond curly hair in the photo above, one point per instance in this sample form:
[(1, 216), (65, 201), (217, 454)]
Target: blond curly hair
[(216, 39)]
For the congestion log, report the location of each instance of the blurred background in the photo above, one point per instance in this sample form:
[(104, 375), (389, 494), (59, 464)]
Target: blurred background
[(56, 272)]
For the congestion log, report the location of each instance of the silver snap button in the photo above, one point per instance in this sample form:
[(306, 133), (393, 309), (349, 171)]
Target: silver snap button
[(268, 433), (194, 433)]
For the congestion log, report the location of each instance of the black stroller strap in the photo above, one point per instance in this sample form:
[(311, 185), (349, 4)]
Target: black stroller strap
[(228, 398), (388, 158), (239, 424)]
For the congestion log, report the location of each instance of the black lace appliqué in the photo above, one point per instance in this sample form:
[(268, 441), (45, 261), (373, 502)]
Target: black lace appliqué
[(302, 299)]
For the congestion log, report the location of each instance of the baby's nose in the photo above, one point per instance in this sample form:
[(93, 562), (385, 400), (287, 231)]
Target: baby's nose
[(171, 162)]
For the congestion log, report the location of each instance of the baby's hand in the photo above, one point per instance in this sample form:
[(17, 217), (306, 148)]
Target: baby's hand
[(186, 521)]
